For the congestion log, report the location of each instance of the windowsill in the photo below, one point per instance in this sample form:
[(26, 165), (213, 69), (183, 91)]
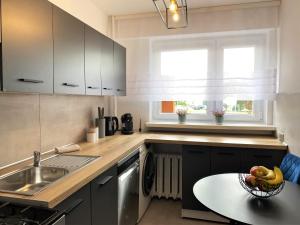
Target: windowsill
[(210, 127)]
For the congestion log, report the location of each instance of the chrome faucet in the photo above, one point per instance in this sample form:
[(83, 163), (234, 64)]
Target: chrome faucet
[(36, 158)]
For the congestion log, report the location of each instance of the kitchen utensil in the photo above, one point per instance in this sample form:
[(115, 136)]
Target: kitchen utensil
[(111, 125)]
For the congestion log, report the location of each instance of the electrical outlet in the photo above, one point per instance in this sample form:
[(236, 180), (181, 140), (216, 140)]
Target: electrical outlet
[(281, 137)]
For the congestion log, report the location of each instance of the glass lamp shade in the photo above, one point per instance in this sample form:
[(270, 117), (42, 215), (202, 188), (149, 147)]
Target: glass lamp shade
[(172, 12)]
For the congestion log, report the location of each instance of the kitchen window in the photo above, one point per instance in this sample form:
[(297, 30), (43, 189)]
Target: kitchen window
[(230, 59)]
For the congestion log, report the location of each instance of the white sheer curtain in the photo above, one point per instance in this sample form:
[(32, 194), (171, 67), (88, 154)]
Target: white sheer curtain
[(185, 79)]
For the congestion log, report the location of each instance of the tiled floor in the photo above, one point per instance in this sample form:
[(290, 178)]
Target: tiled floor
[(167, 212)]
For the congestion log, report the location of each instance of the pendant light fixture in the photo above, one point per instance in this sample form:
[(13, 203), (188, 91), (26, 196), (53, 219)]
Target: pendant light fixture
[(172, 12)]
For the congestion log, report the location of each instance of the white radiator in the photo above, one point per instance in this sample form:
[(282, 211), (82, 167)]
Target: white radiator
[(168, 177)]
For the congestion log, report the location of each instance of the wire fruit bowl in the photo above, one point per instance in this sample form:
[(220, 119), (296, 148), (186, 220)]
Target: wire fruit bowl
[(255, 191)]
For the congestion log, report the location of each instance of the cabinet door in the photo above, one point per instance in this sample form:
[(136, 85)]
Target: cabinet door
[(92, 61), (107, 66), (120, 69), (195, 165), (68, 33), (261, 157), (27, 46), (104, 193), (225, 160), (78, 207)]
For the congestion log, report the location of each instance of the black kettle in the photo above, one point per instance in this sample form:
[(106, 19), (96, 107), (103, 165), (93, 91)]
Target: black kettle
[(111, 125)]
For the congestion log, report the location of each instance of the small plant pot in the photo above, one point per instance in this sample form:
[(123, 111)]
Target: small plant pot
[(182, 119), (219, 119)]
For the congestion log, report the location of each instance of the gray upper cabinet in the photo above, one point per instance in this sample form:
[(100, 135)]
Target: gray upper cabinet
[(92, 61), (107, 66), (27, 46), (120, 69), (68, 33)]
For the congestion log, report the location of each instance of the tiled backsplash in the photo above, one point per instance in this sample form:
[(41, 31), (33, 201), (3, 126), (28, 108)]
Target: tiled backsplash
[(30, 122)]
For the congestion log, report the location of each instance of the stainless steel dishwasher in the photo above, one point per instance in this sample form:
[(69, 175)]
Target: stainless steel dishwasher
[(128, 189)]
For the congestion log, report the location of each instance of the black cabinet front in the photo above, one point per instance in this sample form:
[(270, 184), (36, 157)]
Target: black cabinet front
[(265, 157), (104, 195), (225, 160), (68, 34), (78, 207), (200, 161), (27, 46), (195, 165)]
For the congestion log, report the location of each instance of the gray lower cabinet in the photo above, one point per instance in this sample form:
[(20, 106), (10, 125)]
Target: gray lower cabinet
[(78, 207), (107, 66), (92, 61), (195, 165), (224, 160), (104, 198), (68, 34), (200, 161), (120, 69), (94, 204), (265, 157), (27, 46)]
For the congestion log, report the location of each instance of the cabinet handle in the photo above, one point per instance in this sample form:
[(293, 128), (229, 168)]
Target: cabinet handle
[(263, 156), (30, 81), (104, 180), (90, 87), (107, 89), (195, 152), (226, 153), (120, 90), (70, 85), (73, 206)]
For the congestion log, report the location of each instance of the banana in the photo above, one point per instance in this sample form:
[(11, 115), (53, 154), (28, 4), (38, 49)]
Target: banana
[(270, 175), (271, 184)]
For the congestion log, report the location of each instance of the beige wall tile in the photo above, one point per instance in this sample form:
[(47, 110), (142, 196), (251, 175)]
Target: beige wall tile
[(19, 127), (65, 119)]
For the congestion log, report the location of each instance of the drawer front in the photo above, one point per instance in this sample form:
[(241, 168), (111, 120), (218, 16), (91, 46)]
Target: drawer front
[(261, 157), (225, 160)]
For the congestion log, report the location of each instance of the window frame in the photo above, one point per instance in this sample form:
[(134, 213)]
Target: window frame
[(215, 46)]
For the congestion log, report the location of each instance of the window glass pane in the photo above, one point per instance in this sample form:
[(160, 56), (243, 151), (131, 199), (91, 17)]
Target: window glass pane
[(193, 107), (184, 63), (239, 62), (233, 106)]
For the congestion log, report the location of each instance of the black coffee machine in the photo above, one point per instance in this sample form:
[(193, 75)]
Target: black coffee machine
[(127, 124), (111, 125)]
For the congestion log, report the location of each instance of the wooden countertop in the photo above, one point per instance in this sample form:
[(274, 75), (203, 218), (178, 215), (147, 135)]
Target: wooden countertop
[(114, 148)]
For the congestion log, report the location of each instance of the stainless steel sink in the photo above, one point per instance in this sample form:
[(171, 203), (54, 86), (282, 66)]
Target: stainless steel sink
[(30, 179)]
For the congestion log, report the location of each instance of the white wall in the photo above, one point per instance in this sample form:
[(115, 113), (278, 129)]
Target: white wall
[(288, 101), (216, 19), (86, 11), (207, 20)]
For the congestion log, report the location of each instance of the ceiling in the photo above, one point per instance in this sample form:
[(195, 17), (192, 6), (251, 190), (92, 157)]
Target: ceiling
[(125, 7)]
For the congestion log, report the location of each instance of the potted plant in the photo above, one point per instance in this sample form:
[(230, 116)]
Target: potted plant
[(219, 116), (182, 112)]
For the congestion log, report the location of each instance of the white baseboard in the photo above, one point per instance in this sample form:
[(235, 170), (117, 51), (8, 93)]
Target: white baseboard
[(203, 215)]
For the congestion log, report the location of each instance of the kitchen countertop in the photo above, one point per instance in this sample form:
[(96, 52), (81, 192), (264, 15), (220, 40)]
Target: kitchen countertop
[(114, 148)]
